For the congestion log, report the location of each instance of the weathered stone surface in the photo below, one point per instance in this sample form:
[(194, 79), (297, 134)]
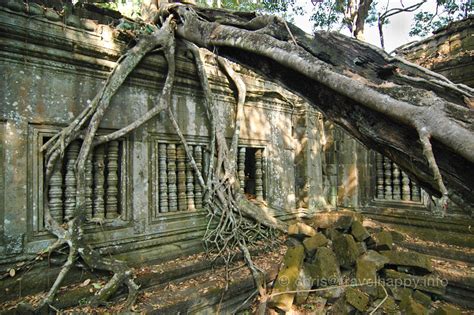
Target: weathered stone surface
[(381, 241), (357, 298), (332, 233), (312, 243), (431, 284), (340, 307), (346, 250), (409, 259), (344, 222), (301, 230), (362, 247), (365, 271), (359, 232), (324, 269), (399, 292), (52, 15), (447, 310), (389, 306), (422, 298), (408, 306), (374, 257), (305, 282), (326, 220), (287, 278)]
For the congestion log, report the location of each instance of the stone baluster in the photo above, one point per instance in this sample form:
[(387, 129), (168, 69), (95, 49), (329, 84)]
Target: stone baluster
[(197, 185), (111, 197), (181, 171), (415, 192), (388, 178), (241, 168), (99, 180), (70, 180), (190, 184), (259, 174), (163, 175), (380, 178), (405, 187), (55, 194), (172, 197), (88, 189), (396, 181)]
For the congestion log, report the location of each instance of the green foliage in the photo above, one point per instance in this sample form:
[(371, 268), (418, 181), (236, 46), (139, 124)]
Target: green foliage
[(446, 12)]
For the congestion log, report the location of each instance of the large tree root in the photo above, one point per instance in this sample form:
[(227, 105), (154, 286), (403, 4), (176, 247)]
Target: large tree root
[(85, 127)]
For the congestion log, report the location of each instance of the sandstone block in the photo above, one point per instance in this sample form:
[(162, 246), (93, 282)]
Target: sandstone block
[(409, 306), (312, 243), (447, 310), (409, 259), (381, 241), (359, 232), (346, 250), (301, 230), (324, 269), (357, 299)]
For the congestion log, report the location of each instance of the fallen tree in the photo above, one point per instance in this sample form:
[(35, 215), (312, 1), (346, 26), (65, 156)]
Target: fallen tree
[(417, 118)]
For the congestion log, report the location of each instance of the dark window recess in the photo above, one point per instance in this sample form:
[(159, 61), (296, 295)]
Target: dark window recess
[(251, 172)]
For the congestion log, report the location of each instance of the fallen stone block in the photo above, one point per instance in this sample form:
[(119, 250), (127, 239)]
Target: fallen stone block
[(366, 272), (422, 298), (409, 259), (301, 230), (358, 299), (287, 278), (381, 241), (409, 306), (346, 250), (430, 284), (389, 306), (362, 247), (305, 282), (359, 232), (332, 233), (324, 270), (328, 219), (311, 244), (377, 259), (344, 223), (447, 310)]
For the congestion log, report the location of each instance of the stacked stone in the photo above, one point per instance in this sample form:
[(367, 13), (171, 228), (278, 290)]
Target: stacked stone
[(352, 268)]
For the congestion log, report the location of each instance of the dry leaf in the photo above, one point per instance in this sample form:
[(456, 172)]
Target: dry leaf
[(12, 272), (86, 283)]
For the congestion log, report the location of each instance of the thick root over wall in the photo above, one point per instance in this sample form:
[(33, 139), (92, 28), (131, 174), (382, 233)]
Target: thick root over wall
[(415, 117)]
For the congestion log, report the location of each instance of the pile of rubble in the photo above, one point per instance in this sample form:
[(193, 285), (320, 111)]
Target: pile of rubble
[(335, 265)]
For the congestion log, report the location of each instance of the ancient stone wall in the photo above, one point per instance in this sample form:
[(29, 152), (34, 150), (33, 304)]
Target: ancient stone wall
[(140, 186), (449, 51)]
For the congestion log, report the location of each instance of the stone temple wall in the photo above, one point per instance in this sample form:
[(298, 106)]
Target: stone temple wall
[(140, 186), (450, 51)]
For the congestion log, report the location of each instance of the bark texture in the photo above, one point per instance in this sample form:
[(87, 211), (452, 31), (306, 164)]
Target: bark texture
[(389, 104)]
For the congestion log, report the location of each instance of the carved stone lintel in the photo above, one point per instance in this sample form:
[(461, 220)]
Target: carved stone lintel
[(197, 185), (259, 174), (99, 180), (163, 176), (111, 198), (70, 180), (172, 196)]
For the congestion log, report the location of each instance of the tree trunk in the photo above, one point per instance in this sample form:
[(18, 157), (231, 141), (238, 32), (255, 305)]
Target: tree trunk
[(390, 105)]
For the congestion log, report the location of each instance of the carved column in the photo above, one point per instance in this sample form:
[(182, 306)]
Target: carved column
[(396, 181), (380, 178), (181, 168), (405, 187), (190, 184), (55, 194), (70, 180), (99, 180), (163, 177), (88, 190), (415, 191), (241, 168), (172, 197), (259, 174), (197, 185), (388, 178), (111, 198)]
